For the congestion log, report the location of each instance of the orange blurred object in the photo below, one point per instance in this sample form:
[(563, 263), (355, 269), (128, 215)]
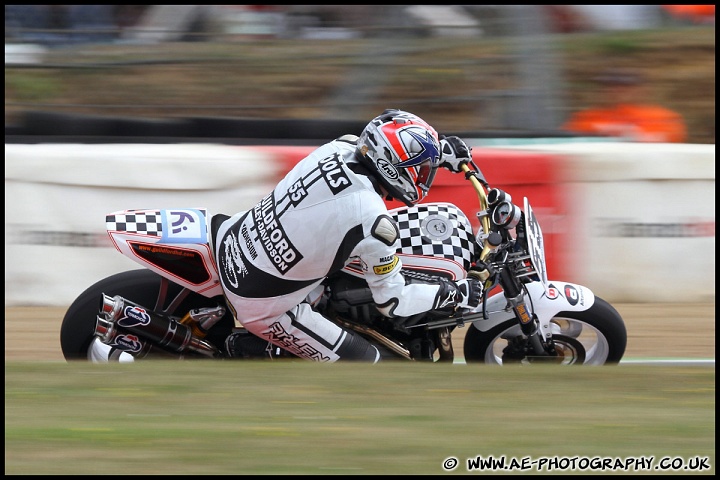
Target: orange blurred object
[(624, 112), (639, 123), (700, 13)]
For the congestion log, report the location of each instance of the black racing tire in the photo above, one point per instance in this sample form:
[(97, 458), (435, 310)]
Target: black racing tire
[(600, 329), (139, 286)]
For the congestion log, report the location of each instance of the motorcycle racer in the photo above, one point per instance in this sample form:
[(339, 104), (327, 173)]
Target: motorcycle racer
[(326, 212)]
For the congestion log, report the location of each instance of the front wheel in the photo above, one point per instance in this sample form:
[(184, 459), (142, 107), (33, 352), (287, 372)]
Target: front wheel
[(143, 287), (596, 336)]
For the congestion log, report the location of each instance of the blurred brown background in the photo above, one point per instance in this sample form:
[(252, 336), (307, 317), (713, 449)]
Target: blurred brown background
[(33, 333), (465, 68)]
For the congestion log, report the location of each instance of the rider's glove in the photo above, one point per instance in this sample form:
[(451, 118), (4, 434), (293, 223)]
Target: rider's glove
[(471, 290), (454, 153), (463, 293)]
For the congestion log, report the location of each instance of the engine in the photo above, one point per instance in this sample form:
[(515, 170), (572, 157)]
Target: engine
[(350, 297)]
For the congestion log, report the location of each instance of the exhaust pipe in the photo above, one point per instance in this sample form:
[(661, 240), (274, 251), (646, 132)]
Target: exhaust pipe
[(122, 323), (113, 336), (379, 337)]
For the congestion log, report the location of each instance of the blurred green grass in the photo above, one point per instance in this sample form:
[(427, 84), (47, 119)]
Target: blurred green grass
[(299, 417)]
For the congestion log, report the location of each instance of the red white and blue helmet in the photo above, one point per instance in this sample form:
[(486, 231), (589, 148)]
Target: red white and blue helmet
[(403, 151)]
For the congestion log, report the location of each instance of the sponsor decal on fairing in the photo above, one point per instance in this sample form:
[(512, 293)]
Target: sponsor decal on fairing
[(183, 225)]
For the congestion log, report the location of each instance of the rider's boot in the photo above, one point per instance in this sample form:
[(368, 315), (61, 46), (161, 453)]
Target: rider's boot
[(243, 344)]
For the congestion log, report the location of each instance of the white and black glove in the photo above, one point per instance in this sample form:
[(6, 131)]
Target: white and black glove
[(455, 152), (464, 293), (471, 290)]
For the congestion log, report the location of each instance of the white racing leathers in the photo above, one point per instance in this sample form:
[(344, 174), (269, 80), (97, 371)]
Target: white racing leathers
[(320, 216)]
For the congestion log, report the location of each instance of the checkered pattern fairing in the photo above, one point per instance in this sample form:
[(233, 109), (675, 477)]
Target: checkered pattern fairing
[(459, 245), (146, 222)]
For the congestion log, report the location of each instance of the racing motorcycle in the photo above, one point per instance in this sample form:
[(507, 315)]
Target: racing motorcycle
[(174, 307)]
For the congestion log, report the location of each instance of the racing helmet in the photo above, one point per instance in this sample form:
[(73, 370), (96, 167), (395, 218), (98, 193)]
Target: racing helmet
[(403, 153)]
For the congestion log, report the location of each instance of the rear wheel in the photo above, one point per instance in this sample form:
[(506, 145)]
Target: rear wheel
[(596, 336), (143, 287)]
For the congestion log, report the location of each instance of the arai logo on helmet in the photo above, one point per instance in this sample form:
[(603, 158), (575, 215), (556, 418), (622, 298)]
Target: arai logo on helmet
[(387, 169)]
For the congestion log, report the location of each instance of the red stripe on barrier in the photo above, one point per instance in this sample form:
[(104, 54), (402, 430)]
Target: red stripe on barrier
[(541, 177)]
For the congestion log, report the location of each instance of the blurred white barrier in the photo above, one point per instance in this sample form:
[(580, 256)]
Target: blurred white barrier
[(647, 219), (23, 54), (644, 213), (57, 196)]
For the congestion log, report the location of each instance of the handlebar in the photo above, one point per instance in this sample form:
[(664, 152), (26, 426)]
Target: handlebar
[(471, 175)]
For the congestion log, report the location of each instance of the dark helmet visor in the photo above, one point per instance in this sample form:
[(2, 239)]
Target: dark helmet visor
[(426, 175)]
